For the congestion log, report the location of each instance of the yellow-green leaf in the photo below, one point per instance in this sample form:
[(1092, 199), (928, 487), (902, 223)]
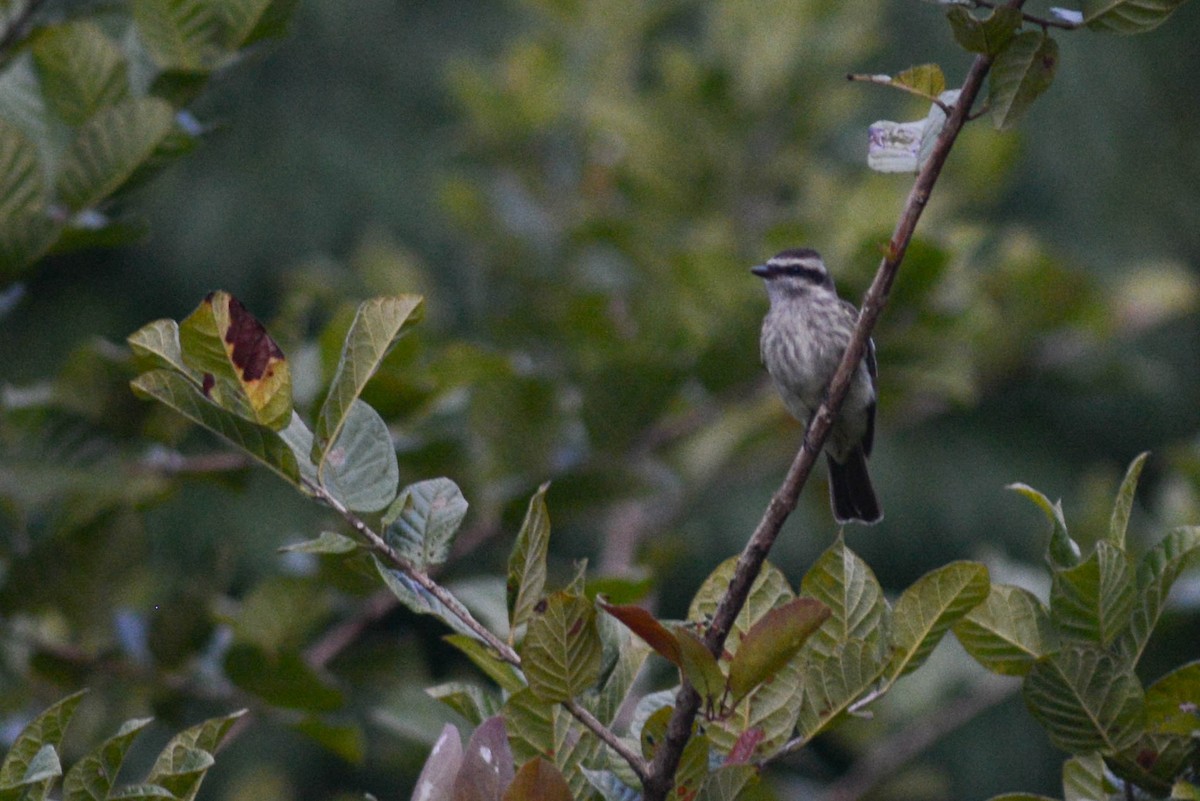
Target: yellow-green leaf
[(1008, 631), (262, 443), (699, 666), (927, 610), (989, 34), (1123, 506), (110, 147), (1022, 71), (926, 80), (1087, 700), (378, 325), (1127, 16), (561, 652), (527, 563)]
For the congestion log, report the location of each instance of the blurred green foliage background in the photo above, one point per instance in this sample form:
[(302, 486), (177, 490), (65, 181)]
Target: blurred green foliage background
[(579, 188)]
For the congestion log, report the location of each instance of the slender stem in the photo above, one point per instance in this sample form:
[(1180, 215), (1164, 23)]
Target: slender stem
[(502, 648), (1036, 20), (749, 564), (886, 80), (428, 584), (611, 740)]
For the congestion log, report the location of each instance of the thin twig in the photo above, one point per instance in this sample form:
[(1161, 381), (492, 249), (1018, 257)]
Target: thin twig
[(749, 564), (1036, 20), (505, 651), (439, 592), (887, 80), (611, 740)]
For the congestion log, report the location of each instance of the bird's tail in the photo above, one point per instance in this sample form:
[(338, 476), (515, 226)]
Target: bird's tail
[(850, 490)]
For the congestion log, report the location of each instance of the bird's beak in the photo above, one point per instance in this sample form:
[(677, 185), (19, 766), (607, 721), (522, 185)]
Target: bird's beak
[(761, 270)]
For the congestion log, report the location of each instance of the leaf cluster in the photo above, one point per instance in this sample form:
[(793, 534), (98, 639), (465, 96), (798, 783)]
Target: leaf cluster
[(32, 767), (93, 104), (1077, 654)]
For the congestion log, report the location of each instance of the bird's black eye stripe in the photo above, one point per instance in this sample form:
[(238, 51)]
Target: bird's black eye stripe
[(813, 274)]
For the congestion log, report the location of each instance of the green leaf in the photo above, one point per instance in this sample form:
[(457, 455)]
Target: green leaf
[(1124, 503), (1008, 631), (92, 778), (110, 147), (538, 780), (1021, 797), (1062, 550), (469, 700), (772, 707), (844, 583), (244, 370), (833, 681), (926, 80), (81, 69), (772, 642), (1022, 71), (1092, 601), (178, 33), (378, 325), (927, 610), (157, 345), (1127, 16), (486, 660), (692, 769), (699, 666), (248, 21), (1185, 790), (188, 766), (22, 181), (768, 591), (1173, 702), (345, 740), (1157, 571), (281, 678), (328, 542), (418, 599), (1083, 779), (260, 442), (988, 35), (143, 792), (1086, 699), (422, 522), (24, 238), (561, 652), (631, 655), (40, 775), (530, 724), (46, 729), (178, 760), (361, 467), (527, 563)]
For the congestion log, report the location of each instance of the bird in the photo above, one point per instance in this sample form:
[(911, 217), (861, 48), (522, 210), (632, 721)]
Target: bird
[(804, 336)]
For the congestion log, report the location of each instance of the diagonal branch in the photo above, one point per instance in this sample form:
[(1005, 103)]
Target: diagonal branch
[(503, 649), (783, 502)]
